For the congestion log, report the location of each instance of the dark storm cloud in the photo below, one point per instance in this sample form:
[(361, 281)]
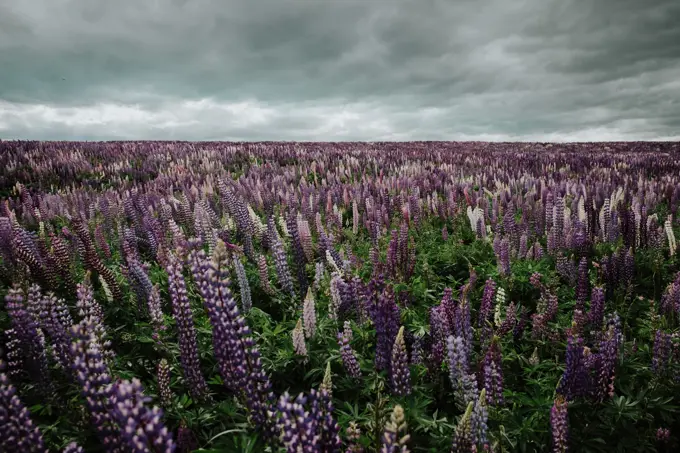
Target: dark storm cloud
[(305, 69)]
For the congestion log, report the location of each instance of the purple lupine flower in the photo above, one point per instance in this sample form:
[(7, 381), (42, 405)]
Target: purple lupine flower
[(486, 306), (464, 383), (319, 271), (280, 259), (246, 300), (479, 422), (73, 447), (93, 261), (661, 352), (263, 271), (93, 375), (396, 426), (56, 321), (504, 257), (606, 358), (237, 355), (336, 298), (300, 259), (186, 441), (596, 314), (576, 381), (30, 336), (163, 377), (399, 371), (462, 437), (439, 331), (309, 314), (663, 435), (523, 246), (306, 423), (299, 339), (18, 434), (417, 351), (186, 332), (140, 425), (349, 360), (461, 325), (493, 375), (559, 421), (509, 322), (386, 317)]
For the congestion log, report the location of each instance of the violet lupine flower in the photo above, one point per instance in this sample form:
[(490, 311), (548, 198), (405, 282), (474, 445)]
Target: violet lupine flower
[(486, 306), (493, 375), (13, 354), (299, 339), (400, 373), (386, 318), (186, 332), (306, 424), (576, 380), (417, 351), (559, 421), (596, 314), (237, 355), (93, 261), (92, 373), (462, 326), (163, 377), (246, 300), (30, 336), (73, 447), (663, 435), (464, 383), (349, 360), (309, 314), (140, 426), (606, 358), (18, 434), (336, 298), (319, 272), (186, 441), (263, 270), (280, 260), (439, 331), (56, 320), (509, 322), (479, 422), (299, 257), (462, 437), (504, 257), (395, 427), (661, 353)]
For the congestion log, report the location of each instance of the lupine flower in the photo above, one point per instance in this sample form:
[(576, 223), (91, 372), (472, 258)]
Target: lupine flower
[(661, 352), (327, 383), (31, 338), (576, 381), (395, 427), (140, 426), (163, 376), (264, 274), (93, 375), (504, 257), (400, 373), (299, 339), (349, 360), (464, 383), (559, 421), (186, 332), (582, 287), (319, 271), (478, 422), (237, 355), (386, 317), (309, 314), (493, 374), (186, 441), (336, 298), (244, 286), (596, 314), (663, 435), (353, 434), (280, 260), (300, 259), (462, 437), (18, 434)]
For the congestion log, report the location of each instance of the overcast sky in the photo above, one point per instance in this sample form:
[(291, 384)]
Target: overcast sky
[(561, 70)]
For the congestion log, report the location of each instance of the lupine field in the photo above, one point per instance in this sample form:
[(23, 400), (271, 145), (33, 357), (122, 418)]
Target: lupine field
[(339, 297)]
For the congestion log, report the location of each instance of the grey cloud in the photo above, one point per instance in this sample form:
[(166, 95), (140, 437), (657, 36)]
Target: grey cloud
[(416, 69)]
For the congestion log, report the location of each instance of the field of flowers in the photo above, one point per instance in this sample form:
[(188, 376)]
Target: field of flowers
[(339, 297)]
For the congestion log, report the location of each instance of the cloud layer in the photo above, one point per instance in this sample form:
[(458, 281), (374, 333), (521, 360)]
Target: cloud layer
[(341, 70)]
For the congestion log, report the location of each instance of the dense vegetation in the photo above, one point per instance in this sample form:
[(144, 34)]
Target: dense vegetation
[(337, 297)]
